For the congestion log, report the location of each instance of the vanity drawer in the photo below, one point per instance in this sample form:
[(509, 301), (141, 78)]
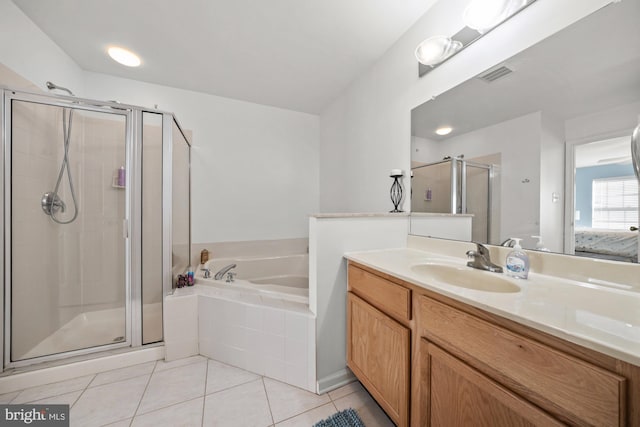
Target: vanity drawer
[(562, 384), (391, 298)]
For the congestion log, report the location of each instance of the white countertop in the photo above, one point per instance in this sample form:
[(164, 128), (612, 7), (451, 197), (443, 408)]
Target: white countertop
[(603, 317), (359, 215), (438, 214)]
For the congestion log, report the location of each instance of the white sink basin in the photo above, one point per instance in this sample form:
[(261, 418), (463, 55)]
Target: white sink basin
[(465, 277)]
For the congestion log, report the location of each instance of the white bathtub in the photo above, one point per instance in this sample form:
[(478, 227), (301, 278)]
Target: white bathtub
[(261, 322), (285, 277)]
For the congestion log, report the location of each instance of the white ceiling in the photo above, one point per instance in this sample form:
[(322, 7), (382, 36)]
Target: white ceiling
[(294, 54), (588, 67)]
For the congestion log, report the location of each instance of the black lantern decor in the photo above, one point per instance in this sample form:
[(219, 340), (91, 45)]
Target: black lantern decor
[(396, 189)]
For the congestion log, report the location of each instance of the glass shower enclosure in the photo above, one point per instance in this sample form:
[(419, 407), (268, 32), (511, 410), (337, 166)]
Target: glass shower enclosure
[(88, 224), (457, 186)]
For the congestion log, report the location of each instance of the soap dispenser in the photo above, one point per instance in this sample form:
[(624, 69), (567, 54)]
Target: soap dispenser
[(540, 245), (517, 262)]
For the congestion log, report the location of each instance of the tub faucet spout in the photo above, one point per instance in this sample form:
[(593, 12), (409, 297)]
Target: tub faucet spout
[(220, 274)]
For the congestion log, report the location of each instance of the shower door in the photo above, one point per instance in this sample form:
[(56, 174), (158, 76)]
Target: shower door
[(477, 199), (457, 186), (66, 235)]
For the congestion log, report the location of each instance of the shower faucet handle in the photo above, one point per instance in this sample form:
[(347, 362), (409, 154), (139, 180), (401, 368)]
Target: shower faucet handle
[(230, 276)]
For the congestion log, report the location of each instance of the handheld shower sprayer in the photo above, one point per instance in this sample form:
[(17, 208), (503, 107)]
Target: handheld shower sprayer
[(51, 201)]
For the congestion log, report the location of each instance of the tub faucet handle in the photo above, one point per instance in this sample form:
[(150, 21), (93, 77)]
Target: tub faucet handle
[(230, 276), (224, 270), (207, 273)]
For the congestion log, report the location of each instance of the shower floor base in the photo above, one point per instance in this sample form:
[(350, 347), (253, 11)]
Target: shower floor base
[(93, 329)]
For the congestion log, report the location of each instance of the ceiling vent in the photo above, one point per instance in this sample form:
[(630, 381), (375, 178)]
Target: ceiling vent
[(495, 74)]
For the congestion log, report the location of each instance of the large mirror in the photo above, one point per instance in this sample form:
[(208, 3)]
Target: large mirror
[(540, 143)]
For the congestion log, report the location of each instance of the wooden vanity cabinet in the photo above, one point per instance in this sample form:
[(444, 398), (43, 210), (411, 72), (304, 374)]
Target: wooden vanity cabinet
[(573, 390), (378, 345), (459, 395), (445, 363)]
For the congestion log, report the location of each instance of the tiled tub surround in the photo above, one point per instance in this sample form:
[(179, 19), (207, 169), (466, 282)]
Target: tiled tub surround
[(250, 248), (268, 335), (591, 303)]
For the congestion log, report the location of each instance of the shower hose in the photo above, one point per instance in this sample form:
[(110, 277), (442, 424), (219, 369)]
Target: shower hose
[(66, 130)]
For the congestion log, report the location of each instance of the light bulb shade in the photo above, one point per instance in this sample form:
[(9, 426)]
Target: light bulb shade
[(444, 130), (124, 56), (482, 15), (436, 49)]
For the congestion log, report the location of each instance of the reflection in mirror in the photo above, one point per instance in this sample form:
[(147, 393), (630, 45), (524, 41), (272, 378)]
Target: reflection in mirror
[(457, 185), (605, 200), (540, 143)]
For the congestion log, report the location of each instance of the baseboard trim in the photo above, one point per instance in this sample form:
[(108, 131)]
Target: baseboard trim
[(334, 381)]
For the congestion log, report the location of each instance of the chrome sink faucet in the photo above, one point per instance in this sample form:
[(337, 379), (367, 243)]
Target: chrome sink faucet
[(224, 270), (481, 259)]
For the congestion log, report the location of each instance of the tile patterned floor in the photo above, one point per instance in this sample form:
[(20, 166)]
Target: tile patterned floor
[(196, 391)]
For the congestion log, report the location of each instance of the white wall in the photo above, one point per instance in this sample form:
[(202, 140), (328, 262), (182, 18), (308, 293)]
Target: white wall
[(329, 239), (552, 183), (26, 50), (423, 149), (455, 227), (254, 167), (368, 127)]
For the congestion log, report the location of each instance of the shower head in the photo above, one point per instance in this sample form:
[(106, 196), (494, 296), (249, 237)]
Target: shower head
[(52, 86)]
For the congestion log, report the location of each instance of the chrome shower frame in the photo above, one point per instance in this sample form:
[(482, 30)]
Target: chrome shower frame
[(132, 225), (458, 186)]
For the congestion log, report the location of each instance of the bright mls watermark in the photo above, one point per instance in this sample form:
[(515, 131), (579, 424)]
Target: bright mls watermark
[(34, 415)]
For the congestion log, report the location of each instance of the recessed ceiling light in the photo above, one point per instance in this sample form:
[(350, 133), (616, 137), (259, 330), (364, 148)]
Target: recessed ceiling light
[(445, 130), (124, 56)]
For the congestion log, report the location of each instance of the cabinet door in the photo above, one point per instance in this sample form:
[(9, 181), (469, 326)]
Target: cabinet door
[(378, 350), (564, 385), (458, 395)]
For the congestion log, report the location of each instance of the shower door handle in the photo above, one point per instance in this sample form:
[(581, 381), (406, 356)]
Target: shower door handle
[(125, 228)]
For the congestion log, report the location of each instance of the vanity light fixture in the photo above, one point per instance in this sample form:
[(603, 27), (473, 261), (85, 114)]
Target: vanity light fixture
[(479, 17), (482, 15), (436, 49), (445, 130), (124, 56)]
